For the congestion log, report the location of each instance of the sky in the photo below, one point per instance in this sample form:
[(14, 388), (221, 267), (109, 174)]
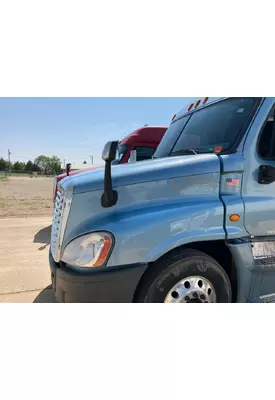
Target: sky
[(74, 129)]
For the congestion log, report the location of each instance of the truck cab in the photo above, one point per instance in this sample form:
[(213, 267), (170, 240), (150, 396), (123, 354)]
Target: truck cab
[(195, 224), (143, 142)]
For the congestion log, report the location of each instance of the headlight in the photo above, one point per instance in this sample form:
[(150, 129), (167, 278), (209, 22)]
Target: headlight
[(88, 251)]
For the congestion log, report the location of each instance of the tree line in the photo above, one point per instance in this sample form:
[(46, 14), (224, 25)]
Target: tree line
[(42, 164)]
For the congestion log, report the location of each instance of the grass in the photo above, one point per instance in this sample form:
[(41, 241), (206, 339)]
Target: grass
[(27, 175), (3, 178), (19, 174)]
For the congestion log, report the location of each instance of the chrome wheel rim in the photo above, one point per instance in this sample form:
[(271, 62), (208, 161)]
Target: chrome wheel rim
[(193, 289)]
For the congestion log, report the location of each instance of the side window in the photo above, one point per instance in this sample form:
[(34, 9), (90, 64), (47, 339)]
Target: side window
[(266, 143), (144, 153)]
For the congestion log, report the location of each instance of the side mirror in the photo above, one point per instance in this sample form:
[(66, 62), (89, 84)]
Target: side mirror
[(266, 174), (109, 151), (109, 197), (68, 169), (133, 156)]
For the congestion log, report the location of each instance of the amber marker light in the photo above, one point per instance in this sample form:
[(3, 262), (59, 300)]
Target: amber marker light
[(234, 217)]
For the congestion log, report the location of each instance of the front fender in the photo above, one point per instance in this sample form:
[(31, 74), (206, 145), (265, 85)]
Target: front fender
[(146, 236), (152, 218)]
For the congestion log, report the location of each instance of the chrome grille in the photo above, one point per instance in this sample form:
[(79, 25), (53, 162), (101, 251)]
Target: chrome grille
[(56, 222), (60, 215), (54, 187)]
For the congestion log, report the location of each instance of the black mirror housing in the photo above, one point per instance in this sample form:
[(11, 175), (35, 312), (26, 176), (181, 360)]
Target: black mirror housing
[(109, 151)]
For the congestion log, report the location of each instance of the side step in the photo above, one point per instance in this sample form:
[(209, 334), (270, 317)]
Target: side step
[(268, 298)]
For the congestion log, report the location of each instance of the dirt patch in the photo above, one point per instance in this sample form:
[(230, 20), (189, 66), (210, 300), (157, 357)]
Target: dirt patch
[(26, 197)]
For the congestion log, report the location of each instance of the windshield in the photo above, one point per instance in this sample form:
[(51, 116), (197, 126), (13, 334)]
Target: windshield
[(121, 150), (215, 128)]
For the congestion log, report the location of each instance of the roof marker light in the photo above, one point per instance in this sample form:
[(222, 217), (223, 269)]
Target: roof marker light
[(174, 116), (197, 103), (205, 100), (191, 105)]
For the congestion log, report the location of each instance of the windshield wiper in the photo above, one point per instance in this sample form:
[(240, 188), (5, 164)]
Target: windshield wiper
[(185, 151)]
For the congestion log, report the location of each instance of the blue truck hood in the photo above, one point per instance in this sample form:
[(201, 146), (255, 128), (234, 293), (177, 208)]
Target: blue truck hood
[(145, 171)]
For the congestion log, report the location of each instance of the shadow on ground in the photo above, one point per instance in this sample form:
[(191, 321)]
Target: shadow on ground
[(45, 296), (43, 236)]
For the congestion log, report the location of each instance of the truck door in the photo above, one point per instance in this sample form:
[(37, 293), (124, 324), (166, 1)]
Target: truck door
[(259, 194)]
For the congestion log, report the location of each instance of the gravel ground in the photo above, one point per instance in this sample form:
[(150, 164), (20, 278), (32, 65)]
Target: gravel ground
[(26, 197)]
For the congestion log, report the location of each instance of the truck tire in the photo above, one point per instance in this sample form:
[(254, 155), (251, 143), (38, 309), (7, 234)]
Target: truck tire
[(189, 276)]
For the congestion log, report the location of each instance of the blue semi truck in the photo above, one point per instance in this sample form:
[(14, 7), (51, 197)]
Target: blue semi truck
[(194, 224)]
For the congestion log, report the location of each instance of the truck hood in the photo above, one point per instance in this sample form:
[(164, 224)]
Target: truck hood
[(145, 171), (78, 171)]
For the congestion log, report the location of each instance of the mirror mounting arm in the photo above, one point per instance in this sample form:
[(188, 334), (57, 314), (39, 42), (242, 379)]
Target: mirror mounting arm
[(68, 169), (109, 197)]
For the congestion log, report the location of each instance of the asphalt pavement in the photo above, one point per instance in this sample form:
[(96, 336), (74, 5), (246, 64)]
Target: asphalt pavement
[(24, 269)]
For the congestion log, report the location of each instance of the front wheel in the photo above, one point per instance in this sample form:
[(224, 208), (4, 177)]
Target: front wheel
[(189, 276)]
